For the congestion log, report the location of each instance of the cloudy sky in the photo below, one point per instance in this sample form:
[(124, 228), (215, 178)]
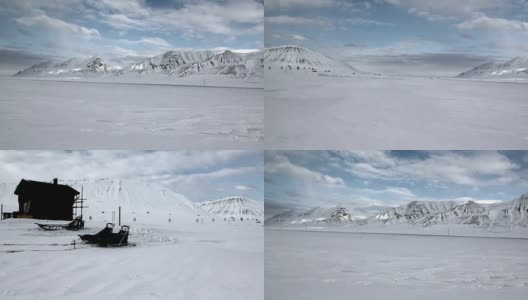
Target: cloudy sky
[(198, 175), (413, 37), (32, 29), (367, 182)]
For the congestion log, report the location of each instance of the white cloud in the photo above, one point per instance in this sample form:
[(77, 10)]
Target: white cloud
[(243, 188), (363, 21), (193, 18), (43, 21), (482, 168), (216, 174), (299, 37), (281, 165), (481, 21), (68, 28), (40, 165), (446, 9), (289, 20), (479, 201), (274, 4), (150, 41)]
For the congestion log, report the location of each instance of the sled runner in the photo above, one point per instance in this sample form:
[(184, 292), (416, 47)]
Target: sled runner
[(106, 237), (76, 224)]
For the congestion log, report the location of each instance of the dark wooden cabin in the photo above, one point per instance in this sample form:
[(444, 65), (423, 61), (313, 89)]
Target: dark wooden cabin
[(44, 200)]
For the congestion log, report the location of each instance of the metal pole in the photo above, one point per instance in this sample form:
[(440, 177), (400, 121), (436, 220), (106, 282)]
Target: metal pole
[(82, 199), (119, 215), (1, 212)]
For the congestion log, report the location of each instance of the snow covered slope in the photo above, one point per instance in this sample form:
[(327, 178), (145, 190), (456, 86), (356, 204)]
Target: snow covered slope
[(132, 195), (234, 206), (334, 215), (302, 59), (515, 68), (70, 67)]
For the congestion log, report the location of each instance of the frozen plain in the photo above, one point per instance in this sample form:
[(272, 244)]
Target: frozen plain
[(306, 111), (183, 260), (331, 265), (46, 114)]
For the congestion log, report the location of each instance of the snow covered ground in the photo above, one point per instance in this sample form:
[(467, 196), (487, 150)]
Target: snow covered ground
[(177, 260), (306, 111), (44, 114), (330, 265)]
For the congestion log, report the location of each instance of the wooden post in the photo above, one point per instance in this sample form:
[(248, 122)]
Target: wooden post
[(119, 215)]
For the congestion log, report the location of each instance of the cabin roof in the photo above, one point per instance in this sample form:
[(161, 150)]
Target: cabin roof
[(39, 186)]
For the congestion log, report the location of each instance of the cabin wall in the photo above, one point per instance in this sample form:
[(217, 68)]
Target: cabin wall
[(50, 205)]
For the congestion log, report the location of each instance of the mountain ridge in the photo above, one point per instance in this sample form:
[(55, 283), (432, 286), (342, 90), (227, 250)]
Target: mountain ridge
[(513, 68), (427, 213)]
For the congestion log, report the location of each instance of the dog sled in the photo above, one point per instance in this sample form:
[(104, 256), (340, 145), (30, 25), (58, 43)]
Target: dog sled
[(76, 224), (107, 237)]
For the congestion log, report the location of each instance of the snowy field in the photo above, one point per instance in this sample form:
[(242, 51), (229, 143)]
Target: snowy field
[(304, 111), (456, 230), (43, 114), (184, 260), (326, 265)]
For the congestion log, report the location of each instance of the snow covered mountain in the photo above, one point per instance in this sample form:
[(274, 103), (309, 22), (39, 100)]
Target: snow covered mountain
[(299, 58), (515, 68), (511, 213), (435, 212), (334, 215), (234, 206), (70, 67), (188, 62), (179, 63), (168, 62)]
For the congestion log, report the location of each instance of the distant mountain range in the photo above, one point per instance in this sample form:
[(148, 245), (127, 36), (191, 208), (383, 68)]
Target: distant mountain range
[(181, 63), (334, 215), (514, 68), (425, 213)]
